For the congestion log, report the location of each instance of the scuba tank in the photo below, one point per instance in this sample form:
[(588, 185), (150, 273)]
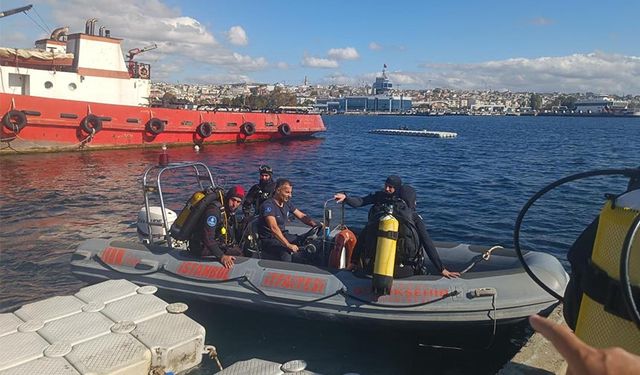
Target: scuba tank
[(191, 213), (384, 263), (601, 300), (603, 318)]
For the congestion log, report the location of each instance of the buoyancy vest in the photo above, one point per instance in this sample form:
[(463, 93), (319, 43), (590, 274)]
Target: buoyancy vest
[(594, 301)]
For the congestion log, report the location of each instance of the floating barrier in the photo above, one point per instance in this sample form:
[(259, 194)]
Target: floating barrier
[(114, 327), (414, 133), (256, 366)]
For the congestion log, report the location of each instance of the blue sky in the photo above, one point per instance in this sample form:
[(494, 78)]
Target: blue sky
[(545, 46)]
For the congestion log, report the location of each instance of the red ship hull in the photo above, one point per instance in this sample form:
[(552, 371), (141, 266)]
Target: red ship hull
[(57, 125)]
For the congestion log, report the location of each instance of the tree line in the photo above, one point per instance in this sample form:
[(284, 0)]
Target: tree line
[(255, 101)]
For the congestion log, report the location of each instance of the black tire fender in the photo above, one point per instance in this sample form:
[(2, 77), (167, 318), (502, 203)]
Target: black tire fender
[(155, 126), (205, 129), (91, 124), (284, 129), (14, 120), (248, 128)]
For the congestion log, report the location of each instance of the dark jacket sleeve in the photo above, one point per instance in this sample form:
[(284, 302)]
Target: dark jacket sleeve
[(426, 242), (250, 199), (359, 202), (211, 221)]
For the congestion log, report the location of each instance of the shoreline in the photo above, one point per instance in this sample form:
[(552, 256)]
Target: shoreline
[(537, 356)]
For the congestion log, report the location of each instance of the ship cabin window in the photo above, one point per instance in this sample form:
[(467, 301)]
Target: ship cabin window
[(232, 124), (72, 86), (19, 84), (268, 124), (48, 85)]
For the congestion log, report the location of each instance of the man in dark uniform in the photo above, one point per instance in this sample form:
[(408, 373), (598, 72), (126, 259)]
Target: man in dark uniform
[(412, 228), (218, 235), (276, 242), (259, 192)]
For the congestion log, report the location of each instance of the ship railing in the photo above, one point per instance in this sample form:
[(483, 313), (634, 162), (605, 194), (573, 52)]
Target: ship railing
[(152, 181), (138, 70)]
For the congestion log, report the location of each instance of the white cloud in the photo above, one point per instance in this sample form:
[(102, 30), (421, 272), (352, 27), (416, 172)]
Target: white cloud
[(282, 65), (375, 46), (249, 63), (402, 78), (541, 21), (181, 40), (237, 36), (348, 53), (317, 62), (597, 72), (339, 79), (222, 78)]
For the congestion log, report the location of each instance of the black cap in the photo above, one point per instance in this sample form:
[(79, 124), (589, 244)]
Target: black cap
[(265, 169), (394, 181)]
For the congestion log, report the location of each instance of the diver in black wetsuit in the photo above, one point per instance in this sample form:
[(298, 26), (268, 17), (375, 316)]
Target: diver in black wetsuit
[(259, 192), (413, 231), (218, 232), (408, 194)]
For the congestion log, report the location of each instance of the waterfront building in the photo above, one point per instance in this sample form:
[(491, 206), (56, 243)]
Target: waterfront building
[(601, 105), (381, 100)]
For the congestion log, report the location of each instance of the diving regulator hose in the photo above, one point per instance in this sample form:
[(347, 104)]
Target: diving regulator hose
[(632, 173)]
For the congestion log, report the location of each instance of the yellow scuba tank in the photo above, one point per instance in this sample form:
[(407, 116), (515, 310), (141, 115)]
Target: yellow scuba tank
[(603, 319), (384, 264), (190, 214)]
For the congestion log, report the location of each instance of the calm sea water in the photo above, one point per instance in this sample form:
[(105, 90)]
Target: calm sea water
[(470, 189)]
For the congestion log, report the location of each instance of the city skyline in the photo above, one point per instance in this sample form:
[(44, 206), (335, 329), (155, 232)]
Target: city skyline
[(553, 47)]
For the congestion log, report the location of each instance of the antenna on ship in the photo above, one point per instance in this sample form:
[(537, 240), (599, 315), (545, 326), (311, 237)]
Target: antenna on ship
[(16, 10)]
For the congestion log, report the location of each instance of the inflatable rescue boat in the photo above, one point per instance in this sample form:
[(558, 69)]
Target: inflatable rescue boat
[(493, 289)]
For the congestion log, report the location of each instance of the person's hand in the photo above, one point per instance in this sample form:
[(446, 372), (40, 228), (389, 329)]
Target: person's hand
[(449, 274), (339, 197), (293, 248), (227, 261), (582, 358)]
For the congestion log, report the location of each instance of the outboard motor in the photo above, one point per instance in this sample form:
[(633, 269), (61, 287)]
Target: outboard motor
[(384, 264), (158, 231)]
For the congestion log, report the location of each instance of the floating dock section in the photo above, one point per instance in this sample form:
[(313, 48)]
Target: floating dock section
[(414, 133), (114, 327), (256, 366)]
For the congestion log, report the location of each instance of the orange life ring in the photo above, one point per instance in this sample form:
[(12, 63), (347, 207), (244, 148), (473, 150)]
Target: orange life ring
[(344, 241), (143, 72)]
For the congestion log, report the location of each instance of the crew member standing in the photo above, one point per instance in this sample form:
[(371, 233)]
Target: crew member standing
[(219, 234)]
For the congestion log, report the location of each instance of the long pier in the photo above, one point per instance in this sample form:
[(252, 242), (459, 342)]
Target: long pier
[(414, 133)]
